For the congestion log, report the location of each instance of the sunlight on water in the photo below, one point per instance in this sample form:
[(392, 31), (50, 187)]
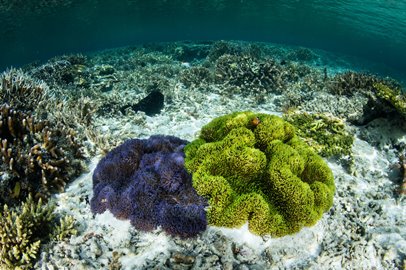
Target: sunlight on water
[(373, 30)]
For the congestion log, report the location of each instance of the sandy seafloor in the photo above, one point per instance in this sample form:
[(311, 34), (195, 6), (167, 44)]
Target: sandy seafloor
[(365, 229)]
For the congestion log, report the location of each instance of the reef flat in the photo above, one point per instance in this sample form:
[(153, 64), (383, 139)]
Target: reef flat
[(83, 106)]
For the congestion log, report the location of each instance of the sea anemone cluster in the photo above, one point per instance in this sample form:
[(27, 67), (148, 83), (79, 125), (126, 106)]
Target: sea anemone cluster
[(144, 180), (253, 168), (244, 167)]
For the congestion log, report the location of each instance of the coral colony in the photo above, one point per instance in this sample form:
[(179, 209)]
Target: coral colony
[(250, 167), (145, 181)]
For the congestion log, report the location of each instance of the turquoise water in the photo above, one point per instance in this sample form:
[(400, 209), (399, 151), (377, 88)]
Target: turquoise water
[(374, 31)]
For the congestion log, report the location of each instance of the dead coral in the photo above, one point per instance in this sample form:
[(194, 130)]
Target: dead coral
[(36, 157)]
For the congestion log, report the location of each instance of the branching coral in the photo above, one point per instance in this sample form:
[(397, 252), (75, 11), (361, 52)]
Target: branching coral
[(252, 167), (196, 76), (24, 229), (327, 135), (36, 157), (246, 72), (20, 91), (350, 83), (393, 96), (145, 181)]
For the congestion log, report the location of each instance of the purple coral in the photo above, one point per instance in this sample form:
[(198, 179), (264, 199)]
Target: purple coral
[(145, 181)]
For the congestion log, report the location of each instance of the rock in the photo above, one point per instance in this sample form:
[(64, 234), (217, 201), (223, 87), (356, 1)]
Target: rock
[(151, 104)]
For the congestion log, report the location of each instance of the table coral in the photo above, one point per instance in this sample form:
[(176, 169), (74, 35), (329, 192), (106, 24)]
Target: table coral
[(252, 167), (145, 181)]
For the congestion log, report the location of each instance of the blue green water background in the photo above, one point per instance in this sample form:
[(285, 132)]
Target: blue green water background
[(374, 30)]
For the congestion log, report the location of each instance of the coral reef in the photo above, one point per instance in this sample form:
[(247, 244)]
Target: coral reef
[(23, 230), (66, 228), (21, 91), (393, 96), (252, 167), (349, 83), (382, 97), (62, 71), (247, 73), (302, 55), (402, 163), (221, 48), (327, 135), (145, 181), (196, 76), (37, 157)]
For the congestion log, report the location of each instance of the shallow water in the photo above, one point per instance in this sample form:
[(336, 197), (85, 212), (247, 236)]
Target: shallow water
[(375, 31), (98, 95)]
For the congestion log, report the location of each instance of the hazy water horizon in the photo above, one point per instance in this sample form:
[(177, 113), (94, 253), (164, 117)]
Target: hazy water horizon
[(37, 30)]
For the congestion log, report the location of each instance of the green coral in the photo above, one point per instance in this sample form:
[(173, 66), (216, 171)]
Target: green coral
[(65, 229), (24, 229), (393, 96), (327, 135), (252, 167)]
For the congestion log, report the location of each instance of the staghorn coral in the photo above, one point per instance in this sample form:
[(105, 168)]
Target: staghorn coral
[(65, 229), (196, 76), (252, 167), (250, 74), (62, 71), (221, 48), (24, 229), (37, 157), (145, 181), (21, 91), (349, 83)]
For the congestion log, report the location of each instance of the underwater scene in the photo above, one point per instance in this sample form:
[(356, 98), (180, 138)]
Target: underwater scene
[(215, 134)]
